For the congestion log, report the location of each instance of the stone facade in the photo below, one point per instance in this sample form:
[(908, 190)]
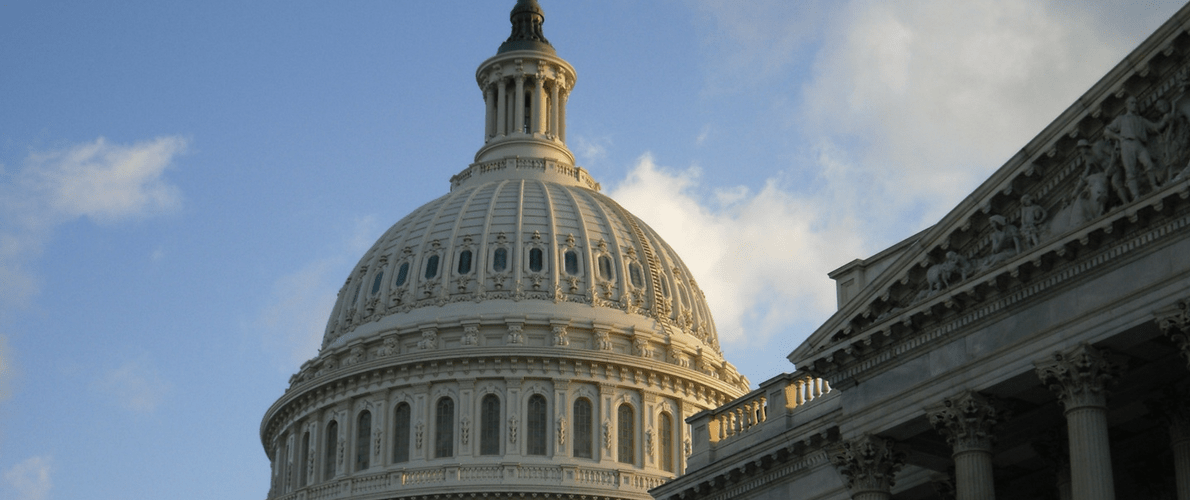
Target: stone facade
[(523, 336), (1031, 345)]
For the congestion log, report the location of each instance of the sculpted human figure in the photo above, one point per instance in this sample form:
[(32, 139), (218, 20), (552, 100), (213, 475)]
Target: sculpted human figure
[(1006, 241), (1031, 216), (1131, 132)]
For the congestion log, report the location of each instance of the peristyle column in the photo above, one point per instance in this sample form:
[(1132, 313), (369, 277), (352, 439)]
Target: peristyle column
[(868, 465), (966, 421), (1079, 377)]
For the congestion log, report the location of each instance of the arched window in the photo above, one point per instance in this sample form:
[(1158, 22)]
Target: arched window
[(401, 433), (535, 435), (464, 262), (376, 282), (500, 260), (283, 465), (489, 425), (363, 434), (583, 435), (303, 457), (627, 435), (635, 275), (536, 260), (444, 429), (570, 259), (432, 267), (332, 447), (605, 268), (402, 274), (666, 429)]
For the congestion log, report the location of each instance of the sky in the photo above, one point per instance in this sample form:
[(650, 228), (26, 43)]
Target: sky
[(185, 185)]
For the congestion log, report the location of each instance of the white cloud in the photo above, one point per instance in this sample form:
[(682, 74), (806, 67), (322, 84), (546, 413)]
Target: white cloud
[(98, 180), (293, 321), (30, 479), (135, 385), (760, 257)]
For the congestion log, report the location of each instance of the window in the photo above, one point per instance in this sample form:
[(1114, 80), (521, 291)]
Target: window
[(627, 434), (432, 267), (363, 431), (605, 268), (402, 274), (635, 275), (536, 260), (465, 262), (570, 258), (666, 429), (283, 464), (489, 425), (332, 446), (376, 282), (303, 457), (535, 435), (500, 260), (444, 429), (583, 446), (401, 433)]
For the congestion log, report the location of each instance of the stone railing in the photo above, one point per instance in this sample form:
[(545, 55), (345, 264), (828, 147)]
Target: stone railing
[(544, 169), (479, 478), (764, 412)]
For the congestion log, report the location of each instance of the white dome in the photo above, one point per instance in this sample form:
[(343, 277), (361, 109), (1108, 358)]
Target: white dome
[(529, 231)]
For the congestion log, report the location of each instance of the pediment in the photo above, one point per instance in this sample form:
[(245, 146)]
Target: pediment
[(1051, 212)]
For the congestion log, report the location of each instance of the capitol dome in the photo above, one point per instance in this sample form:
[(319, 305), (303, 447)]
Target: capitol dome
[(522, 335)]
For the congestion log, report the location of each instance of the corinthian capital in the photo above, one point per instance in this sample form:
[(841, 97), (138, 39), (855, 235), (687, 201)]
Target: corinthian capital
[(1174, 322), (868, 463), (967, 420), (1079, 376)]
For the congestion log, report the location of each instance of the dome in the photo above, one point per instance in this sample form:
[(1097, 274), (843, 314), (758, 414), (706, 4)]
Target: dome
[(522, 336), (547, 246)]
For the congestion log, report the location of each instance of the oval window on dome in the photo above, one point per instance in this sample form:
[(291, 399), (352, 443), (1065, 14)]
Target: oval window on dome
[(536, 259), (432, 267), (465, 262), (376, 282), (605, 268), (500, 260), (634, 274), (570, 258), (402, 274)]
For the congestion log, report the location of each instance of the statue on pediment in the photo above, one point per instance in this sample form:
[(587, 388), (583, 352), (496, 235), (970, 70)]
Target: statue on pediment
[(1031, 217), (1006, 242), (1131, 133)]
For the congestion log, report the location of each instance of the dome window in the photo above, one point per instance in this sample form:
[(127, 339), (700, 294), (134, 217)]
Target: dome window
[(363, 431), (376, 282), (332, 442), (667, 442), (432, 267), (570, 259), (536, 258), (625, 418), (635, 275), (303, 458), (402, 274), (489, 425), (583, 435), (605, 268), (444, 437), (464, 262), (535, 434), (401, 419), (500, 260)]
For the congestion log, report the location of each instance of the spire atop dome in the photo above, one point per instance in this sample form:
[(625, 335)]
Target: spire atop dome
[(527, 18)]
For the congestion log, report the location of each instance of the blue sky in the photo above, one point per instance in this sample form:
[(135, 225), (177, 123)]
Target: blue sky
[(184, 186)]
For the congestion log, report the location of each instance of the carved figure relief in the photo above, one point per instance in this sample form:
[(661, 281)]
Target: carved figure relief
[(470, 335), (560, 336), (464, 430), (376, 439), (603, 341), (676, 357), (419, 433), (429, 340), (1006, 242), (513, 424), (1131, 133), (356, 356), (641, 348), (342, 447), (389, 348), (515, 335), (1031, 217), (939, 276)]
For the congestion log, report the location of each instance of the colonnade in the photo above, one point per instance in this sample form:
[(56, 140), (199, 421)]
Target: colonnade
[(525, 103), (1080, 378)]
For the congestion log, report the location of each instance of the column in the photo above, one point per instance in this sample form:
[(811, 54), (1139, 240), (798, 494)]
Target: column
[(1052, 447), (518, 117), (1173, 409), (562, 116), (538, 102), (489, 118), (554, 106), (1079, 377), (501, 107), (1174, 322), (966, 421), (868, 465)]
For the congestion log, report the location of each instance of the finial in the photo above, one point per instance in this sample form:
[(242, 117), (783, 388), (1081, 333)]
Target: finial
[(527, 18)]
